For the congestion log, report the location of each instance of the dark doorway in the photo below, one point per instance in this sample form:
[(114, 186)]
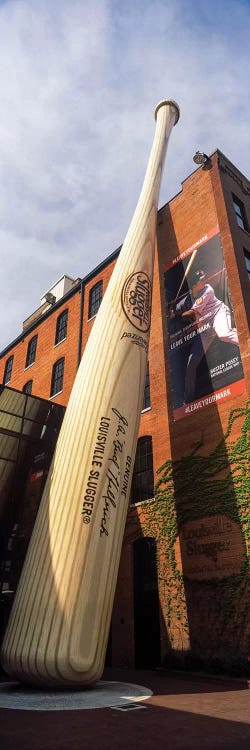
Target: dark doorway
[(146, 605)]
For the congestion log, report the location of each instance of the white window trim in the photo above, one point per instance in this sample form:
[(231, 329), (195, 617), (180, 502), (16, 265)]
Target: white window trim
[(142, 502), (54, 395), (28, 366), (59, 342), (92, 318)]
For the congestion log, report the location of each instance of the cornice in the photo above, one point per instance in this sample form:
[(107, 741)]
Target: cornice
[(226, 169)]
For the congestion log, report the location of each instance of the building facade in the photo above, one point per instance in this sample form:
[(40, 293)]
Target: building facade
[(182, 588)]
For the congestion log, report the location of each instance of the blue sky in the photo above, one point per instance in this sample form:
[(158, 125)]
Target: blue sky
[(79, 81)]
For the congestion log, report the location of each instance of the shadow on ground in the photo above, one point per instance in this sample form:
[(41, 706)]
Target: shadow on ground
[(185, 712)]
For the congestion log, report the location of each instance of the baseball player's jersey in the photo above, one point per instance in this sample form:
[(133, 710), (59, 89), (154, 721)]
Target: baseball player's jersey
[(207, 304), (218, 316)]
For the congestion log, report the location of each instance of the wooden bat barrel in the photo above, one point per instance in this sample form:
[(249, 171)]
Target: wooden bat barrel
[(59, 624)]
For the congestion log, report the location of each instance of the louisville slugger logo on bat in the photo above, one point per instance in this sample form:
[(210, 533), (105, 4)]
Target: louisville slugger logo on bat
[(136, 300), (58, 630)]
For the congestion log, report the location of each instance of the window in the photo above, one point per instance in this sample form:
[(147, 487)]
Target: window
[(240, 213), (146, 397), (95, 298), (57, 377), (247, 261), (27, 388), (31, 351), (143, 476), (61, 327), (8, 370)]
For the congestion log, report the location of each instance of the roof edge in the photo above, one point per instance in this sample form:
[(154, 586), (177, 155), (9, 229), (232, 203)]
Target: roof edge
[(84, 280)]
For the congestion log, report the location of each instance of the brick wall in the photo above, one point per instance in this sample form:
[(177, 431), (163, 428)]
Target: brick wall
[(47, 353), (189, 608)]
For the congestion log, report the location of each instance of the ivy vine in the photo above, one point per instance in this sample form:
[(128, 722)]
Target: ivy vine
[(189, 489)]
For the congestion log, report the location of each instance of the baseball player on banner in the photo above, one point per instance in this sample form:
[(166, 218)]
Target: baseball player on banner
[(206, 308), (204, 350)]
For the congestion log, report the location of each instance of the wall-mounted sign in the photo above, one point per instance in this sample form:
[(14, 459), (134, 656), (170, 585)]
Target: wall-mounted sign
[(210, 547), (205, 359)]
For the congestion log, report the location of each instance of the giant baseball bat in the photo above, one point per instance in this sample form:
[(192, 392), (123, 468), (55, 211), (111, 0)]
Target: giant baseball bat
[(58, 628)]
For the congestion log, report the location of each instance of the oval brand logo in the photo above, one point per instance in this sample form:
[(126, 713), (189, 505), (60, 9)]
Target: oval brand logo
[(136, 300)]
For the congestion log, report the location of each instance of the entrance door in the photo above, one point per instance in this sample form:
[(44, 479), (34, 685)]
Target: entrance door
[(146, 604)]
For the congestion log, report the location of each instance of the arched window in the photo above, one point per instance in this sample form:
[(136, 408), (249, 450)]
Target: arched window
[(61, 327), (57, 377), (95, 298), (8, 370), (27, 388), (146, 397), (31, 351), (143, 476)]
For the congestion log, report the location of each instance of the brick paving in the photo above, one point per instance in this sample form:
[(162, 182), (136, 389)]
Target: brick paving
[(185, 712)]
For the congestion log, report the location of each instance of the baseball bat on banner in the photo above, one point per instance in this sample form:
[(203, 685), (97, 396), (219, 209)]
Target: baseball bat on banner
[(59, 624), (185, 275)]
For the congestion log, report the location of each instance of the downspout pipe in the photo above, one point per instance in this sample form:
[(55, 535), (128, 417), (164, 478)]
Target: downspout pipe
[(79, 355)]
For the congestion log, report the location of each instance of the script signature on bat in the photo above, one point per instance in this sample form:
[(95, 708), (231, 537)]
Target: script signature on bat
[(113, 473)]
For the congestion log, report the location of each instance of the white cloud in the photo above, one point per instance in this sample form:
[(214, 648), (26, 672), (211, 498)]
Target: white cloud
[(79, 81)]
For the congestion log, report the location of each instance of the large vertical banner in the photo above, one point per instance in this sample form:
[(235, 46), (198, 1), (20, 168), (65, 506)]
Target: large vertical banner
[(204, 349)]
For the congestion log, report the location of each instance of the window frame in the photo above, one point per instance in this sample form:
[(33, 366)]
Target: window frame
[(55, 378), (29, 392), (61, 327), (95, 303), (8, 366), (146, 404), (240, 213), (247, 258), (31, 355), (140, 473)]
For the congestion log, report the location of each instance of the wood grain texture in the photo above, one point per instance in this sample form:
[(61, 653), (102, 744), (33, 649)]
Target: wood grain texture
[(58, 628)]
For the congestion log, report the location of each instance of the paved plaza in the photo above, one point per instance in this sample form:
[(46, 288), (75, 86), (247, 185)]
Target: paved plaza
[(129, 710)]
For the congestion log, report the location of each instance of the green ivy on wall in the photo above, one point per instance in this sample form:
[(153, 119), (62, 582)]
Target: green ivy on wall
[(189, 489), (196, 486)]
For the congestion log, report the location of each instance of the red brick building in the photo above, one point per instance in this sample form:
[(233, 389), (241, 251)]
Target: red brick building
[(182, 586)]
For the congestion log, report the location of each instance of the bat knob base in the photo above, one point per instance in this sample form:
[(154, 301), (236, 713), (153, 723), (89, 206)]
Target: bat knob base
[(170, 103)]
